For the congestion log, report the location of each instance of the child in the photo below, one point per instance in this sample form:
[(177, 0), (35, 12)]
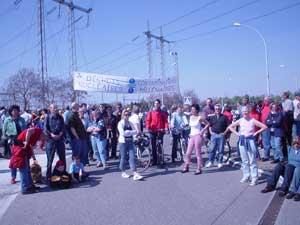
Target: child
[(77, 170), (60, 177)]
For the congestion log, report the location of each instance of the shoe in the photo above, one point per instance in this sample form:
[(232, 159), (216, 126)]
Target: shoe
[(264, 159), (137, 176), (185, 170), (220, 165), (125, 175), (173, 161), (253, 182), (198, 171), (267, 189), (244, 180), (99, 164), (290, 195), (29, 191), (275, 161), (13, 181), (93, 159), (282, 193), (297, 197), (209, 164), (37, 188)]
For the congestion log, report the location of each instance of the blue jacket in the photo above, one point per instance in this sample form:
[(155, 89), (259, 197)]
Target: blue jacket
[(275, 122), (294, 156)]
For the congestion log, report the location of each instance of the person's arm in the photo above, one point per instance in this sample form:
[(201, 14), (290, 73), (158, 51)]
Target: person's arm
[(29, 133), (260, 125), (73, 131), (205, 122), (121, 128), (232, 127), (148, 120)]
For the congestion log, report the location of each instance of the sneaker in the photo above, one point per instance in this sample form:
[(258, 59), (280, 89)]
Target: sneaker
[(275, 161), (99, 164), (244, 180), (125, 175), (253, 182), (209, 164), (198, 171), (297, 197), (264, 159), (137, 176), (290, 195), (13, 181), (220, 165)]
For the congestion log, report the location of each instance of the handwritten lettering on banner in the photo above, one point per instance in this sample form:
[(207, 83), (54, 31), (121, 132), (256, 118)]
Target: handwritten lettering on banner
[(120, 84)]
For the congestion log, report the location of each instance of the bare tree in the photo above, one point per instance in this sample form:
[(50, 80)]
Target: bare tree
[(23, 87)]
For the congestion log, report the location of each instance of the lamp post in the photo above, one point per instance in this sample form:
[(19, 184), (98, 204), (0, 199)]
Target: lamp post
[(236, 24)]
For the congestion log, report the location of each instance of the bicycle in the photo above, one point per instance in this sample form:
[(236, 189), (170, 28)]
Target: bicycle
[(159, 147), (143, 154), (181, 143)]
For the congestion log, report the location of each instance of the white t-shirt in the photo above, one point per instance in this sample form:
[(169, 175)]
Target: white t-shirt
[(296, 104), (195, 125), (27, 117)]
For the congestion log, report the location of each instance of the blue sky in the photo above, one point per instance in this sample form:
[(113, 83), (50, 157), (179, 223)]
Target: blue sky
[(229, 62)]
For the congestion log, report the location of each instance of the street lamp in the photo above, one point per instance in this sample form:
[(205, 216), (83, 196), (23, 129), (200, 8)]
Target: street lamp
[(236, 24)]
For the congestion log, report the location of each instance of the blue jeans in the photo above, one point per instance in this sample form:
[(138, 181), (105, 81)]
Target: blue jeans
[(125, 149), (295, 184), (216, 146), (25, 177), (296, 128), (277, 147), (80, 149), (266, 138), (99, 148), (13, 172), (52, 147), (249, 165)]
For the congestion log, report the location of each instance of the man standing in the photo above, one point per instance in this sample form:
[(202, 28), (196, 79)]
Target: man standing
[(78, 134), (112, 129), (218, 124), (288, 118), (54, 128), (209, 107), (296, 126), (156, 123), (266, 135)]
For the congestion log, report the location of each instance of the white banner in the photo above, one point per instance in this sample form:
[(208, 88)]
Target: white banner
[(118, 84)]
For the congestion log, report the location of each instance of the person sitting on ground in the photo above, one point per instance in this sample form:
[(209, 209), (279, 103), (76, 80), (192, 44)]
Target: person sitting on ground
[(77, 170), (60, 177), (286, 170), (294, 191)]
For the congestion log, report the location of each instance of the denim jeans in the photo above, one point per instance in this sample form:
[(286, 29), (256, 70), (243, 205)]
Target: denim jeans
[(286, 171), (295, 184), (266, 140), (79, 149), (99, 148), (217, 142), (296, 128), (13, 172), (249, 164), (25, 177), (53, 146), (125, 149), (277, 147)]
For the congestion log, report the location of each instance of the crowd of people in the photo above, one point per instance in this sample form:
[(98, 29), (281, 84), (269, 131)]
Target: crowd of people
[(98, 133)]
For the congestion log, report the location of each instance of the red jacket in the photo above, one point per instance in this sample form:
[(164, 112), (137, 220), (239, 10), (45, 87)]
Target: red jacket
[(265, 113), (157, 120)]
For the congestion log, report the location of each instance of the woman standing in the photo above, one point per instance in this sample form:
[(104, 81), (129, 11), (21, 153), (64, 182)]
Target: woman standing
[(247, 144), (126, 131), (196, 138), (98, 135)]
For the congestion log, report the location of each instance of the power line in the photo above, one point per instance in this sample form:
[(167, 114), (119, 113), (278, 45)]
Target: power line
[(204, 6), (226, 13), (118, 58), (242, 21), (34, 46)]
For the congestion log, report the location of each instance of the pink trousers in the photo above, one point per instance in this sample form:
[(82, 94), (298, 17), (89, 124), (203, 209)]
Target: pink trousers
[(195, 142)]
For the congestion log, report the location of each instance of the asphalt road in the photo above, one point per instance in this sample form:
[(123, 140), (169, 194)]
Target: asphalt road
[(164, 197)]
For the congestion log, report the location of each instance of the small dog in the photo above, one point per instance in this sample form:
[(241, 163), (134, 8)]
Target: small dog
[(36, 173)]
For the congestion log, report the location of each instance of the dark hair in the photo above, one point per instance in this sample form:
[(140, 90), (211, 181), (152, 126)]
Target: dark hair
[(157, 100), (13, 107), (83, 104), (286, 94), (196, 106)]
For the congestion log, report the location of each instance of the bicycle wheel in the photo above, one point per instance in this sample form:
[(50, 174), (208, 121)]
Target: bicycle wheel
[(227, 152), (143, 159)]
